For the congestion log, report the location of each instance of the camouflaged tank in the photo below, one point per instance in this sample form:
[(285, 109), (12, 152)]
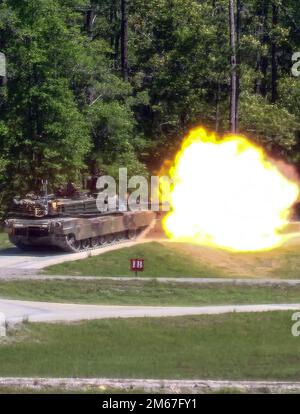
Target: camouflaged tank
[(72, 224)]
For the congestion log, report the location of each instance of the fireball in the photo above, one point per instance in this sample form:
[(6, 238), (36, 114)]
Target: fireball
[(227, 193)]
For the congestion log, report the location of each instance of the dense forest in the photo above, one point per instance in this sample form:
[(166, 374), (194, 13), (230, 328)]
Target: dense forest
[(103, 84)]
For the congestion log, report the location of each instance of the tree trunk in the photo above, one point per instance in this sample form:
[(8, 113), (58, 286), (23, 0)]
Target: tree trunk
[(261, 85), (90, 21), (116, 51), (218, 93), (275, 18), (238, 85), (124, 39), (112, 23), (233, 62), (3, 78)]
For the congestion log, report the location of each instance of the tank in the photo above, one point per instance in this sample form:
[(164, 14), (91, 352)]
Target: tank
[(72, 223)]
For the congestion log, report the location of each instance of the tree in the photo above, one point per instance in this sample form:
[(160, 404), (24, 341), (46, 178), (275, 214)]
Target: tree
[(45, 135), (233, 62), (90, 20), (275, 18), (238, 41), (69, 103), (124, 39)]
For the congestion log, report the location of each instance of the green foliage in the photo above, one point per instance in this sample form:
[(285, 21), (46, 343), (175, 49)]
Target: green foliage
[(45, 135), (271, 125), (66, 110)]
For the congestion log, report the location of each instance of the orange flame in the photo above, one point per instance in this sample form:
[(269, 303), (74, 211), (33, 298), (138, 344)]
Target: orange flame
[(228, 193)]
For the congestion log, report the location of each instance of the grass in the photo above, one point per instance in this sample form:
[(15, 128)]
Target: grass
[(166, 259), (232, 346), (152, 293), (4, 242), (160, 260)]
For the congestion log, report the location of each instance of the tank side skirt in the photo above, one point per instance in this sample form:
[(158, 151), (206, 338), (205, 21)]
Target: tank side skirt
[(77, 234)]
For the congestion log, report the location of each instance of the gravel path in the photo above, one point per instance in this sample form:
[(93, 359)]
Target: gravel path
[(14, 261), (150, 385), (17, 311), (18, 274)]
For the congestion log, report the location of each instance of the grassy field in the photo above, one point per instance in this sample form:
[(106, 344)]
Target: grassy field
[(233, 346), (108, 292), (160, 260), (164, 259)]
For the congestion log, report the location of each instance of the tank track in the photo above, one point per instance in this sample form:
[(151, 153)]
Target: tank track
[(71, 245)]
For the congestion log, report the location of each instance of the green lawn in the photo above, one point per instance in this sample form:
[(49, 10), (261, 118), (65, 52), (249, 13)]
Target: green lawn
[(160, 260), (164, 259), (110, 292), (233, 346)]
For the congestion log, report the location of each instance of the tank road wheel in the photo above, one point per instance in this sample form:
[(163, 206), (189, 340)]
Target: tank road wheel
[(120, 237), (102, 241), (73, 245), (131, 234), (86, 244), (110, 238), (95, 242), (98, 242)]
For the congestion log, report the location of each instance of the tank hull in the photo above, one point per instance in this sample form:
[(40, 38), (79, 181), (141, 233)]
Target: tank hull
[(74, 234)]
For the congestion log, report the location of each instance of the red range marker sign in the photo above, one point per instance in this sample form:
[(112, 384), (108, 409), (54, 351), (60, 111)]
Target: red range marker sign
[(137, 265)]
